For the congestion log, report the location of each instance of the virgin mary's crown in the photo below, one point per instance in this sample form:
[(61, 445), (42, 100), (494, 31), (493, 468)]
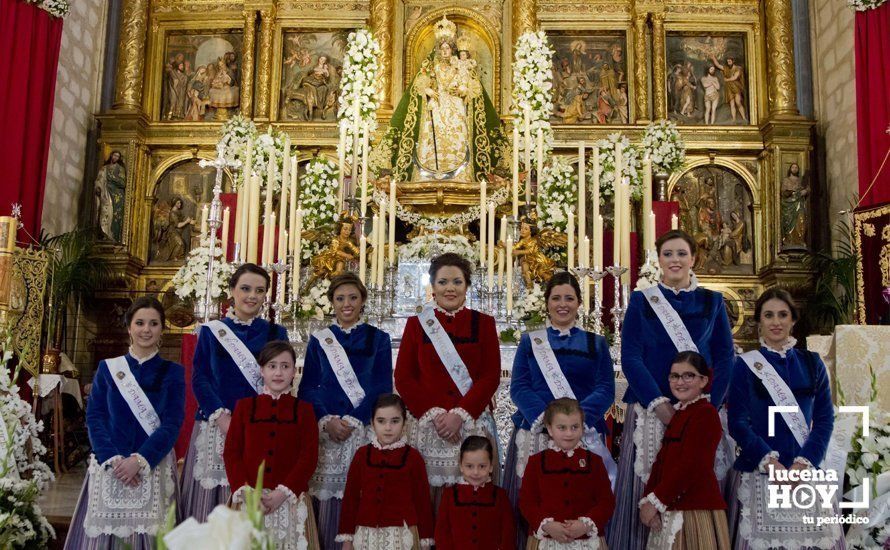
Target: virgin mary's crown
[(445, 30)]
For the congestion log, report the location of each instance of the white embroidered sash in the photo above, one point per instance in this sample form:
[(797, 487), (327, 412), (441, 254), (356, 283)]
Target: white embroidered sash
[(780, 393), (239, 353), (446, 350), (670, 319), (133, 394), (341, 366)]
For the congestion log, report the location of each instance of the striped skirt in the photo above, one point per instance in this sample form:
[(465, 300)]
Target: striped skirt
[(512, 484), (197, 501), (327, 512), (625, 531), (697, 530)]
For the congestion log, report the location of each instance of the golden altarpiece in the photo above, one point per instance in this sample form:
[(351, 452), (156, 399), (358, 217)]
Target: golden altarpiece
[(723, 70)]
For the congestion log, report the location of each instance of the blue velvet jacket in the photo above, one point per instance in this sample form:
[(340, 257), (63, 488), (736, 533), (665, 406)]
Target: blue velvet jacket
[(370, 354), (647, 351), (584, 358), (114, 429), (748, 403), (216, 380)]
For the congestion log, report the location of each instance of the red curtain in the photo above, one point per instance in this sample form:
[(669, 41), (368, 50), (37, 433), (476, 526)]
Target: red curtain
[(29, 57), (873, 104)]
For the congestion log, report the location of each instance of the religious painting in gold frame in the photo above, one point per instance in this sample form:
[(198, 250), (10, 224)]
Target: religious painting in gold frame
[(311, 69), (590, 77), (180, 194), (717, 209), (708, 78), (200, 75)]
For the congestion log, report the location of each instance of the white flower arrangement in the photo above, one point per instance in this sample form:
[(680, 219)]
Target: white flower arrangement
[(665, 146), (190, 281), (453, 222), (56, 8), (557, 194), (264, 147), (23, 476), (359, 86), (533, 90), (315, 303), (235, 136), (318, 197), (862, 5), (422, 248), (225, 528), (632, 171), (650, 275), (531, 307)]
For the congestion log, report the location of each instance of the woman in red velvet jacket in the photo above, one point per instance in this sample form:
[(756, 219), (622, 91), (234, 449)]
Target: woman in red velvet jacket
[(679, 506), (451, 402), (386, 503), (277, 432)]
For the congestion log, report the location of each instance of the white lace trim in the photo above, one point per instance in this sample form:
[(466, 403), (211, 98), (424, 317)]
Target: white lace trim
[(426, 543), (561, 331), (238, 496), (654, 501), (671, 524), (764, 462), (568, 452), (141, 360), (344, 538), (395, 445), (679, 405), (693, 284), (217, 413), (449, 313), (230, 314), (647, 434), (269, 392), (540, 534), (462, 413), (592, 531), (656, 402), (349, 329), (210, 470), (463, 481), (804, 461), (291, 496), (143, 463), (788, 345)]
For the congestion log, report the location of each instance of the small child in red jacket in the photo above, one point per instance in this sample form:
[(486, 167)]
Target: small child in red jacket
[(475, 513), (279, 432), (682, 483), (566, 496), (387, 502)]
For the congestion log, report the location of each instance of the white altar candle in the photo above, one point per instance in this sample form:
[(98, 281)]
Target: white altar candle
[(341, 161), (283, 204), (225, 233), (616, 226), (647, 198), (282, 280), (364, 172), (293, 233), (597, 234), (515, 170), (381, 240), (243, 206), (282, 243), (528, 157), (490, 246), (298, 251), (373, 278), (267, 209), (483, 218), (253, 219), (598, 242), (392, 222), (539, 154), (269, 244), (362, 256), (204, 215), (582, 193), (675, 223), (509, 292), (503, 234), (500, 268), (650, 232), (570, 231), (585, 282)]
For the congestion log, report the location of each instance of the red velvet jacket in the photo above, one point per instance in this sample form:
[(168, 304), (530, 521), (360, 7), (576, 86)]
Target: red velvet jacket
[(683, 476), (281, 432), (421, 378), (480, 519), (563, 487), (387, 488)]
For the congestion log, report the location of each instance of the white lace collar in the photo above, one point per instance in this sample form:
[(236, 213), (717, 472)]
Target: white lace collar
[(561, 331), (230, 314), (475, 487), (394, 445), (449, 313), (267, 391), (350, 329), (571, 452), (788, 345), (679, 405), (693, 284), (142, 360)]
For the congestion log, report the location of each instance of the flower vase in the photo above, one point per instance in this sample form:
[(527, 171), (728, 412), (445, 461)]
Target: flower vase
[(661, 180), (199, 311)]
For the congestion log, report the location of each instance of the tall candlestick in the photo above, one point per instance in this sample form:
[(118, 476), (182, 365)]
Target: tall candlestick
[(490, 246), (585, 282), (269, 244), (483, 218), (515, 170), (364, 171), (598, 243), (341, 161), (392, 222), (528, 157), (509, 292), (243, 207), (616, 226), (253, 219), (239, 205), (225, 233), (539, 153), (647, 198), (267, 210), (570, 231), (282, 243), (625, 241), (374, 224), (503, 234), (362, 256), (582, 192), (293, 203), (204, 213), (584, 253), (650, 232), (283, 204), (500, 268), (675, 223), (596, 192), (298, 252), (381, 240)]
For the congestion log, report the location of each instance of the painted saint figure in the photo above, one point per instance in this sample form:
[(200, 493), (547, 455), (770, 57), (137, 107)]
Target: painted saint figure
[(111, 186)]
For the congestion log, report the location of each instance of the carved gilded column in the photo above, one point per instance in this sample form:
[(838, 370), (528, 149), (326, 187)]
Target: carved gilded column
[(525, 18), (381, 23), (659, 85), (264, 64), (131, 56), (247, 62), (780, 59), (641, 65)]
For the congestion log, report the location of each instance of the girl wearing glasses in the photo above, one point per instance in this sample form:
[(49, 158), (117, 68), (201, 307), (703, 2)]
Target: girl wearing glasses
[(681, 509)]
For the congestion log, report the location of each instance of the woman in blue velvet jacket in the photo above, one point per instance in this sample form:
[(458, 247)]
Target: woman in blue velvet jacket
[(130, 452), (343, 423), (647, 352), (218, 382), (584, 360), (804, 448)]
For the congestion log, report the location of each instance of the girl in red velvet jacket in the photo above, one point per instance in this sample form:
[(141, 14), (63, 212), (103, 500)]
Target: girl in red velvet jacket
[(678, 505), (475, 513), (277, 432), (566, 496), (387, 502)]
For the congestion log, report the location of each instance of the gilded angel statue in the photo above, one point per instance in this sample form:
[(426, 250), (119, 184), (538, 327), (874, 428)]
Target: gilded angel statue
[(534, 263), (341, 248)]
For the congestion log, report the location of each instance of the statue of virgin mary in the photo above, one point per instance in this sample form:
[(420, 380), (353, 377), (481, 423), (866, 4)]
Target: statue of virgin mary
[(445, 126)]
